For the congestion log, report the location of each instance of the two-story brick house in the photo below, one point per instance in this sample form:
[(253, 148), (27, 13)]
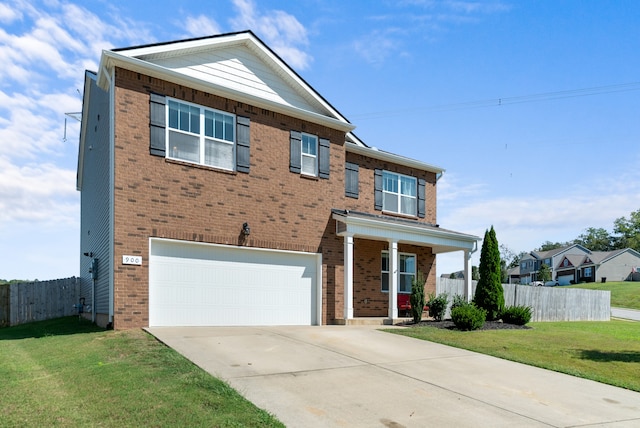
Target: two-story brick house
[(219, 188)]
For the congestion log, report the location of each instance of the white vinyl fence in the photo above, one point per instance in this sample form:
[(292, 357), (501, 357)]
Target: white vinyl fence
[(547, 303)]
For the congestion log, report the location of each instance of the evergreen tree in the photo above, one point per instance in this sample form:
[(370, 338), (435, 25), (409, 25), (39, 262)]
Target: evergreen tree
[(489, 293)]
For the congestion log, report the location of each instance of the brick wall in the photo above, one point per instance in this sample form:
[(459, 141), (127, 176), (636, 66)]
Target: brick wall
[(156, 197)]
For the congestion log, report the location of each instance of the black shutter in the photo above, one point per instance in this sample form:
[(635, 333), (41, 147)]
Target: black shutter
[(324, 155), (351, 179), (157, 125), (243, 144), (377, 185), (421, 198), (295, 157)]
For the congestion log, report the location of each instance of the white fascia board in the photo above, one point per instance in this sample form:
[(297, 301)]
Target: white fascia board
[(112, 59), (393, 158), (86, 96), (177, 47), (379, 229)]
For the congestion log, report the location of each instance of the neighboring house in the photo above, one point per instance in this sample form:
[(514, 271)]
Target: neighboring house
[(513, 275), (575, 263), (530, 264), (602, 266), (219, 188)]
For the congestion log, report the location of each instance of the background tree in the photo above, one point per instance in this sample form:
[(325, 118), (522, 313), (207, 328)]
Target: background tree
[(506, 258), (595, 239), (489, 293), (628, 231), (475, 275), (544, 273), (548, 245)]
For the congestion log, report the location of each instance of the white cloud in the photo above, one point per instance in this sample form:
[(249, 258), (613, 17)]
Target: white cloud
[(376, 46), (9, 14), (523, 222), (201, 25), (280, 30), (37, 192)]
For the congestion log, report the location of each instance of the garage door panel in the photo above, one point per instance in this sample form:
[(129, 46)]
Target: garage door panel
[(196, 284)]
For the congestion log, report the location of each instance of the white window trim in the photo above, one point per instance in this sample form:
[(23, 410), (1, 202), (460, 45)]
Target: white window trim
[(399, 194), (303, 155), (201, 135), (399, 273)]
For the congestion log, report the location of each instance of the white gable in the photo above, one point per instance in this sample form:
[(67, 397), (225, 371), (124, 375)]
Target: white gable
[(239, 69), (237, 66)]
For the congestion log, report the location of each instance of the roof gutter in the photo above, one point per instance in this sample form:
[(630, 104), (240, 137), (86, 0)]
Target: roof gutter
[(393, 158)]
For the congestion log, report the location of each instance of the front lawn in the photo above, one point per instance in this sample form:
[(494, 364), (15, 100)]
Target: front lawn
[(623, 294), (67, 372), (607, 352)]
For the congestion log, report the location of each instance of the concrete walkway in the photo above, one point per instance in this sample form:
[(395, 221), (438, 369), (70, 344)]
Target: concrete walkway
[(624, 313), (352, 376)]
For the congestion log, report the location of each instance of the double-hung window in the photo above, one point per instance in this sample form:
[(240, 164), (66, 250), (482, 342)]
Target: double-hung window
[(309, 152), (399, 193), (201, 135), (406, 271)]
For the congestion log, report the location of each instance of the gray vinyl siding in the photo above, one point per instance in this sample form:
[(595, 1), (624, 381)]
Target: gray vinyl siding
[(94, 199), (617, 268)]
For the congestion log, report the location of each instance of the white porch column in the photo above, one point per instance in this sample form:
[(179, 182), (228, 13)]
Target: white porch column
[(348, 277), (393, 280), (468, 290)]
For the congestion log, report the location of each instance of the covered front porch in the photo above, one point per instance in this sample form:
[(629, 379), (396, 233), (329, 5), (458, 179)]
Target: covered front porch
[(400, 248)]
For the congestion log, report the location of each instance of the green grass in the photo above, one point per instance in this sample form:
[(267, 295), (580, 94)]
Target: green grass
[(65, 372), (607, 352), (623, 294)]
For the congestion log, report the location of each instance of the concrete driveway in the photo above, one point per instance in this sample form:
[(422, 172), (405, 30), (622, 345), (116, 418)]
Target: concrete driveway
[(352, 376)]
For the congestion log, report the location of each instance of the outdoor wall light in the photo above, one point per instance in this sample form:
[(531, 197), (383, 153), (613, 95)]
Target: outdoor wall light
[(90, 254), (246, 230)]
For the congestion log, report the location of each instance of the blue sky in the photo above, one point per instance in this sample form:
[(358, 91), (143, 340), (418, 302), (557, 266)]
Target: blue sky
[(532, 107)]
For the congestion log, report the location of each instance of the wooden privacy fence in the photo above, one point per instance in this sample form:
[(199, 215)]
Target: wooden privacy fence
[(38, 301), (547, 303)]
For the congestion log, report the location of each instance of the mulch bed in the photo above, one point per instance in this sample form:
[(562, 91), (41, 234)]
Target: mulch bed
[(449, 325)]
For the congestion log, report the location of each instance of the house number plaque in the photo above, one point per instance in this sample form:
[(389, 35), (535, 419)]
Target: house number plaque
[(131, 260)]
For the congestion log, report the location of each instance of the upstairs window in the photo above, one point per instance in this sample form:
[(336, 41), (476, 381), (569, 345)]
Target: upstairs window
[(200, 135), (309, 152), (399, 193)]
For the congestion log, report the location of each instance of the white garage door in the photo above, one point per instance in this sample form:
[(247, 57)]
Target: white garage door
[(194, 284)]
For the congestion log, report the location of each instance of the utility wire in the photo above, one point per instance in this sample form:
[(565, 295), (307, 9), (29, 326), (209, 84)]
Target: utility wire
[(497, 102)]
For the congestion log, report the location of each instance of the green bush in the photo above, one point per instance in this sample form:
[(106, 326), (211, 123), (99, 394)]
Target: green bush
[(468, 317), (438, 306), (519, 315), (417, 297), (489, 293), (459, 300)]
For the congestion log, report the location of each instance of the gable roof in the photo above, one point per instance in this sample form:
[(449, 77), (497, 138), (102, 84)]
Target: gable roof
[(574, 260), (600, 257), (551, 253), (233, 65)]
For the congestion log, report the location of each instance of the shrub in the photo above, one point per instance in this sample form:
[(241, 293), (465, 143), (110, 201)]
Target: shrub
[(417, 297), (438, 306), (489, 293), (519, 315), (468, 317), (459, 300)]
